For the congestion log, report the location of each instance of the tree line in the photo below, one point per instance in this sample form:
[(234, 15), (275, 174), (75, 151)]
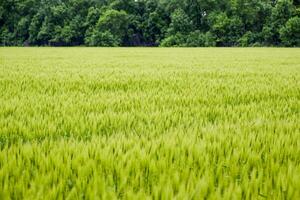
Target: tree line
[(187, 23)]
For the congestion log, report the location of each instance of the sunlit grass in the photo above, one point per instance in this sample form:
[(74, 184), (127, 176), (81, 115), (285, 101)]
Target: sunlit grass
[(137, 123)]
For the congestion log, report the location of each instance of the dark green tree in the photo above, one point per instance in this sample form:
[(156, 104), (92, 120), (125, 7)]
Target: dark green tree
[(149, 22), (290, 33), (226, 30), (281, 12)]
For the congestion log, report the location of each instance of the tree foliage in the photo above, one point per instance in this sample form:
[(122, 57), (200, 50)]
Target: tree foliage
[(150, 22), (290, 33)]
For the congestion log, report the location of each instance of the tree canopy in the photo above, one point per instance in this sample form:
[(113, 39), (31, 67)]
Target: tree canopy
[(187, 23)]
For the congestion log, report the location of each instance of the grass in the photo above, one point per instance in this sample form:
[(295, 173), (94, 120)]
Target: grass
[(149, 123)]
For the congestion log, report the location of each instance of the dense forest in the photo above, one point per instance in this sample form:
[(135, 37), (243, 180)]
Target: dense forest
[(150, 22)]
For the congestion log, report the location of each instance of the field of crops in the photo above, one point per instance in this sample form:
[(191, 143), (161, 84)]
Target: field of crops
[(149, 123)]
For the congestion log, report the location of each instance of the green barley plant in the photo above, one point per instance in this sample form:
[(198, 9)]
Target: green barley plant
[(149, 123)]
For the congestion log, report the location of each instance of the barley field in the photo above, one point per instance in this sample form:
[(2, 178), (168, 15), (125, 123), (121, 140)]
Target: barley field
[(149, 123)]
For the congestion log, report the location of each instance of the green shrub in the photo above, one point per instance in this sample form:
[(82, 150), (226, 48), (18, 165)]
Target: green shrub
[(177, 40), (104, 39)]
